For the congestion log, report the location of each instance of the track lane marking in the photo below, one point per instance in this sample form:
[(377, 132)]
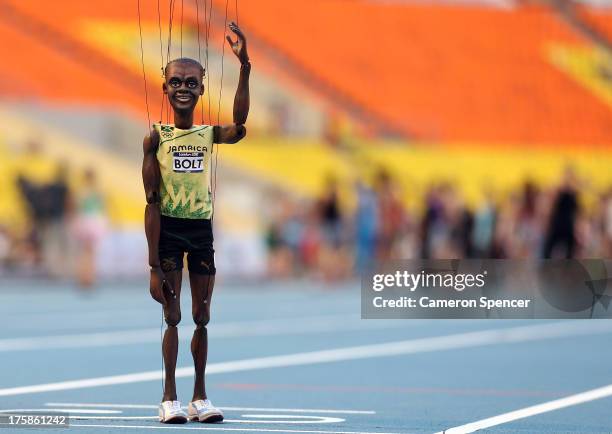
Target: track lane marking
[(58, 410), (568, 401), (274, 327), (412, 346), (151, 406), (230, 429)]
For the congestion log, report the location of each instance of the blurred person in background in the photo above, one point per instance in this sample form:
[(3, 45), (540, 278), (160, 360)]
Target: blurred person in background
[(330, 214), (561, 229), (55, 235), (392, 217), (292, 232), (330, 230), (461, 220), (312, 244), (484, 226), (48, 205), (366, 227), (594, 228), (590, 241), (280, 260), (5, 248), (503, 233), (445, 224), (31, 169), (31, 194), (528, 223), (89, 228), (432, 218)]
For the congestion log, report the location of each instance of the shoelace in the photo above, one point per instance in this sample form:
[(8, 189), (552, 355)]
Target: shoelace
[(176, 405), (202, 405)]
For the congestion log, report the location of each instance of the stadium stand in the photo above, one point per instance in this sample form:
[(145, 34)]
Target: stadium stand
[(521, 78), (497, 83)]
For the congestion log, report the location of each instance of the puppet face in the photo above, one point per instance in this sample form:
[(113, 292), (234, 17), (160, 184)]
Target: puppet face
[(183, 86)]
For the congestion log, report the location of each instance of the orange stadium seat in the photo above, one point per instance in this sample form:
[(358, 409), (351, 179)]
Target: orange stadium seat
[(51, 62), (449, 73)]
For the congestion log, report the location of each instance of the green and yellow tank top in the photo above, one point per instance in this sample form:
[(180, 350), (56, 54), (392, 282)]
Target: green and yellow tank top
[(184, 158)]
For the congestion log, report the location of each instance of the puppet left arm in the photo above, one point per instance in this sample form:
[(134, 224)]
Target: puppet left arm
[(237, 131)]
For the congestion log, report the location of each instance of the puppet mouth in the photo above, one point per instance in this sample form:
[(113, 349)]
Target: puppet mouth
[(183, 98)]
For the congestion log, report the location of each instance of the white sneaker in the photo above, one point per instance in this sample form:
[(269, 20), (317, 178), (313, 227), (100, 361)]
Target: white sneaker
[(204, 411), (171, 412)]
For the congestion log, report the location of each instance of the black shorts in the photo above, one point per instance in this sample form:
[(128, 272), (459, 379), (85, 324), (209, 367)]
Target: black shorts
[(178, 236)]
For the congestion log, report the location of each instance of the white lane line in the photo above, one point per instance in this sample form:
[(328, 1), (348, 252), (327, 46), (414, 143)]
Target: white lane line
[(313, 420), (287, 419), (568, 401), (256, 418), (60, 410), (264, 409), (92, 405), (126, 418), (300, 410), (412, 346), (281, 326), (108, 418), (262, 420), (229, 429)]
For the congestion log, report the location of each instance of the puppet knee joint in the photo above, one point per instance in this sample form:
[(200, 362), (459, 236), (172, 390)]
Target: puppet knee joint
[(173, 319)]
